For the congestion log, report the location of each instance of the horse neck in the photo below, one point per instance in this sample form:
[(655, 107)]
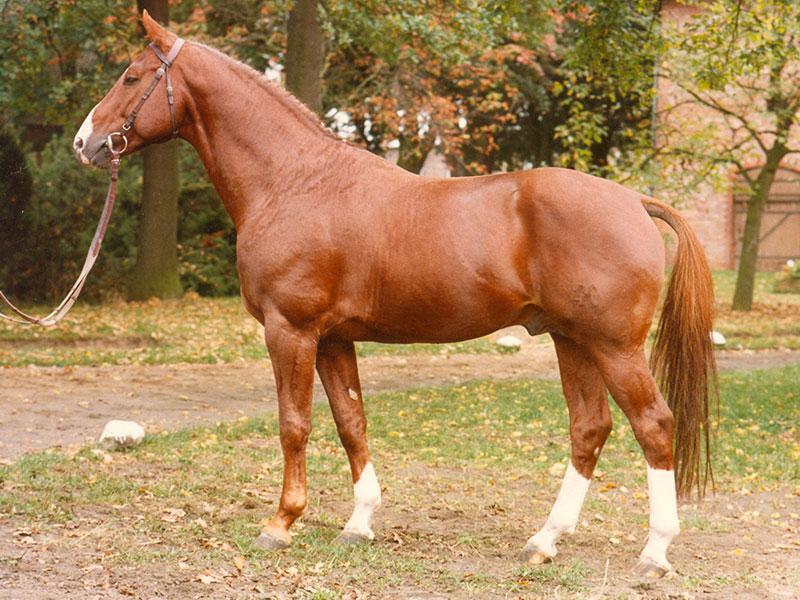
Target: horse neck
[(257, 144)]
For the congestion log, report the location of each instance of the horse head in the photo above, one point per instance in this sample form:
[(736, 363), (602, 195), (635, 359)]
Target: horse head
[(125, 120)]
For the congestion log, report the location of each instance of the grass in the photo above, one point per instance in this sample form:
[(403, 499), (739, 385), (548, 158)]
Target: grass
[(189, 330), (215, 330), (774, 321), (459, 466)]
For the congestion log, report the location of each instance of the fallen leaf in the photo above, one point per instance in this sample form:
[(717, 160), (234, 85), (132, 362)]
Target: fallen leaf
[(239, 562)]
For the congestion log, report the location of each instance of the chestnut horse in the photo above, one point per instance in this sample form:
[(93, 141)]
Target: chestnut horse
[(336, 245)]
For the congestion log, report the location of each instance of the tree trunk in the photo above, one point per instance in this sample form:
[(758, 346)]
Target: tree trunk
[(305, 54), (156, 270), (746, 273)]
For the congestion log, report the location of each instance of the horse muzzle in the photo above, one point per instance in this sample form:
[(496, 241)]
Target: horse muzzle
[(94, 151)]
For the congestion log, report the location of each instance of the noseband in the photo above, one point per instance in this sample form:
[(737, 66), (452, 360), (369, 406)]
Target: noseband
[(94, 249)]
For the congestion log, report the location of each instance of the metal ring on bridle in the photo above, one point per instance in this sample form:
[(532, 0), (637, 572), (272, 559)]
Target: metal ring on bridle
[(110, 143)]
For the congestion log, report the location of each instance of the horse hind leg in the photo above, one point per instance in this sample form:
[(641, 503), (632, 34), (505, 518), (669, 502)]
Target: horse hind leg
[(589, 425), (338, 371), (632, 385)]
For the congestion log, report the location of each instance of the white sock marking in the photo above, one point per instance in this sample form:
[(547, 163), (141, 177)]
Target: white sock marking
[(84, 133), (564, 514), (664, 524), (367, 494)]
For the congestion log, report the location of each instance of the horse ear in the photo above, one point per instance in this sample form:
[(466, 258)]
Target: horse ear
[(156, 33)]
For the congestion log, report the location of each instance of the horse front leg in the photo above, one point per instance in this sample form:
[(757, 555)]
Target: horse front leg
[(293, 355), (338, 371)]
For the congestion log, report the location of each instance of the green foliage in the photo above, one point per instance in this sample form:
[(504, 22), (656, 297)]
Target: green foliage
[(734, 69), (207, 239), (57, 56), (789, 282), (735, 100), (792, 269), (15, 192), (727, 43), (606, 87)]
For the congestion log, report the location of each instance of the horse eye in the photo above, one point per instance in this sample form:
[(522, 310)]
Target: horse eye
[(130, 80)]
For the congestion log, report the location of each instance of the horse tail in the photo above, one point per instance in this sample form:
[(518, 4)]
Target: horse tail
[(682, 358)]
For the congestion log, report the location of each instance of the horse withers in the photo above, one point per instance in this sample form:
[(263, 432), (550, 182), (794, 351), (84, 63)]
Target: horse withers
[(335, 245)]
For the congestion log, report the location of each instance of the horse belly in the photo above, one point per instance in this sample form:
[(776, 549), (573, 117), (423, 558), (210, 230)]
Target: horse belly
[(447, 300), (418, 321)]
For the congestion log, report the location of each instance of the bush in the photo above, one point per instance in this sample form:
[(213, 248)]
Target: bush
[(790, 281), (55, 225), (206, 236), (15, 193), (58, 222)]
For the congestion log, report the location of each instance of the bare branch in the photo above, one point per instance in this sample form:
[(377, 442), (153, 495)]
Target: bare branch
[(713, 104)]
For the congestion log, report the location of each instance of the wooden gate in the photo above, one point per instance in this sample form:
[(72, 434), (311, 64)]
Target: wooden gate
[(779, 238)]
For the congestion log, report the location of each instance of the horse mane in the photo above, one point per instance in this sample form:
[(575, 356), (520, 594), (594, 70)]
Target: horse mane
[(293, 105)]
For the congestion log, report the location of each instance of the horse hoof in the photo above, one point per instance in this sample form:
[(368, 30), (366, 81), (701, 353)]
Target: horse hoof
[(534, 556), (351, 538), (648, 569), (268, 541)]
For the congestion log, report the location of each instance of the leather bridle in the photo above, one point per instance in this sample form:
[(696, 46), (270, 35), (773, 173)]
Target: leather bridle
[(163, 71), (94, 249)]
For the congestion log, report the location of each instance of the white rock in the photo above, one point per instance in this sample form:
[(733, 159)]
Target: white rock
[(122, 434), (509, 341), (718, 338)]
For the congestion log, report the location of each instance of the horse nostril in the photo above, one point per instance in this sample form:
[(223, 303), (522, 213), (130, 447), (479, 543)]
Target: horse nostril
[(78, 143)]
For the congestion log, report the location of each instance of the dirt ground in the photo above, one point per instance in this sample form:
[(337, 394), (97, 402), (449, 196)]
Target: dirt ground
[(53, 407), (731, 546), (64, 407)]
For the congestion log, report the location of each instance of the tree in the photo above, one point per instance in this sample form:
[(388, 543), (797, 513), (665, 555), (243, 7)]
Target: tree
[(155, 272), (305, 54), (736, 70), (497, 85)]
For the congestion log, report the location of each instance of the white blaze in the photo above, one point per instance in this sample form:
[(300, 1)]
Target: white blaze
[(84, 133), (367, 493), (564, 514), (664, 524)]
